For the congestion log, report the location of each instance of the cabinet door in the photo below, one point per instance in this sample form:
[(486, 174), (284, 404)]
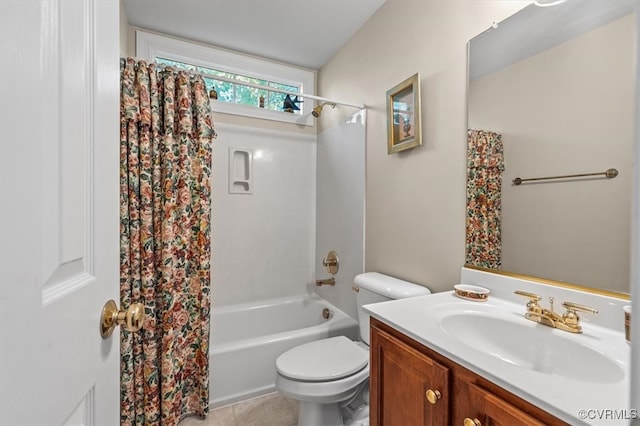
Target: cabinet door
[(400, 379), (491, 410)]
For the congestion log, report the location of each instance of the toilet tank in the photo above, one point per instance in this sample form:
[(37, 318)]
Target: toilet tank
[(374, 287)]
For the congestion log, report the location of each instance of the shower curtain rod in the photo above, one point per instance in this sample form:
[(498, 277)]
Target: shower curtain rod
[(257, 86)]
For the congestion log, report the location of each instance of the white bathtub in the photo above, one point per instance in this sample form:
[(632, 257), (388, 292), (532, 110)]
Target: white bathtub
[(247, 338)]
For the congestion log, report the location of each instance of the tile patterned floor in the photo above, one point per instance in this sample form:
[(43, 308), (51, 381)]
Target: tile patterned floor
[(267, 410)]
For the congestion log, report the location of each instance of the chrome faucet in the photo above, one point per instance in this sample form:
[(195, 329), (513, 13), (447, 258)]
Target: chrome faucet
[(569, 321)]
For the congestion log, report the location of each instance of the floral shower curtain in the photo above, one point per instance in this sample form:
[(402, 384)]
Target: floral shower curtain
[(485, 164), (166, 132)]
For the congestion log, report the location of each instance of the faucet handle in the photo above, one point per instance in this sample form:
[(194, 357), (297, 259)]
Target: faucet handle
[(573, 307), (571, 319), (532, 296), (532, 305)]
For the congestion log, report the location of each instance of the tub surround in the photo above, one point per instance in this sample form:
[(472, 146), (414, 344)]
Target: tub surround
[(564, 384), (340, 200), (248, 229)]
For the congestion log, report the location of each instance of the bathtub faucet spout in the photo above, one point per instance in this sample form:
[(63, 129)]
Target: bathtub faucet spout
[(328, 281)]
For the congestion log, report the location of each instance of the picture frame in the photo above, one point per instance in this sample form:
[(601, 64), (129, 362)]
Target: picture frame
[(403, 115)]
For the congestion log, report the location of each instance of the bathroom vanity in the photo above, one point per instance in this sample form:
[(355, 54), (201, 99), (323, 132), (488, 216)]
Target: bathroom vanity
[(414, 385), (442, 360)]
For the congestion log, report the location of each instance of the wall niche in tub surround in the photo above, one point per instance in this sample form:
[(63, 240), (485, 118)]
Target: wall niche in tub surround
[(563, 102)]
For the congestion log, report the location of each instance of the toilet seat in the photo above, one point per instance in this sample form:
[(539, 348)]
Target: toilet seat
[(323, 360)]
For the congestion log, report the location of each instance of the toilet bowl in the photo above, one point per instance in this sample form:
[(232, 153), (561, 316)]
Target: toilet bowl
[(323, 376), (330, 377)]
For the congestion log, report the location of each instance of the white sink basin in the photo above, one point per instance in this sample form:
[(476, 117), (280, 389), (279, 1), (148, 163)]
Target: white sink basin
[(560, 372), (531, 346)]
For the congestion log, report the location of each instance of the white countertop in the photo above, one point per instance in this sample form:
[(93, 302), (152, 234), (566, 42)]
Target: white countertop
[(561, 396)]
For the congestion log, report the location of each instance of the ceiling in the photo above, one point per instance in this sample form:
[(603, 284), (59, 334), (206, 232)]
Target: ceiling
[(536, 29), (306, 33)]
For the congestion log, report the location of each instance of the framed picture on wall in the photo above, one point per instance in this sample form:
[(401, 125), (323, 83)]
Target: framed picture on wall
[(403, 115)]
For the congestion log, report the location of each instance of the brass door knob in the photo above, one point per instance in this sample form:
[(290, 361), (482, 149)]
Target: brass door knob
[(433, 396), (472, 422), (130, 319)]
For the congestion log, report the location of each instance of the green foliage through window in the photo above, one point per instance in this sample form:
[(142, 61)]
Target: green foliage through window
[(237, 92)]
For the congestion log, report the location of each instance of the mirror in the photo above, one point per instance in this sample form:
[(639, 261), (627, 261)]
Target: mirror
[(551, 93)]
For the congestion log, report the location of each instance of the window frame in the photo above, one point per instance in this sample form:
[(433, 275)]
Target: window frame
[(149, 46)]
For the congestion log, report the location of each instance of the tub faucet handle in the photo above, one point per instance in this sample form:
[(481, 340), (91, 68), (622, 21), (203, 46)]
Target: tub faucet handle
[(331, 262)]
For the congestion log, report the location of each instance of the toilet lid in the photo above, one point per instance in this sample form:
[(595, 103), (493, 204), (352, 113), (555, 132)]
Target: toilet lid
[(327, 359)]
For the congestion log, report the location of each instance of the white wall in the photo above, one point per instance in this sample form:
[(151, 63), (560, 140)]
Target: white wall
[(124, 32), (558, 115), (340, 206), (415, 207), (263, 243)]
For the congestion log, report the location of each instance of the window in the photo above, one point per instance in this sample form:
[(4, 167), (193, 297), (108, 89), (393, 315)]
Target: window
[(236, 92), (240, 80)]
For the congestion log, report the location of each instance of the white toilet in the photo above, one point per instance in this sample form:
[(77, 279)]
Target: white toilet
[(329, 377)]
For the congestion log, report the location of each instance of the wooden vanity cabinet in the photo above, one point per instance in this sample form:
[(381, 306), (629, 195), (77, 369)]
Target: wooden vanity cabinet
[(403, 377), (494, 410), (412, 385)]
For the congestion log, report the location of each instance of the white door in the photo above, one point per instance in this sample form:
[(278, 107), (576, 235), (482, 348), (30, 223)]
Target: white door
[(59, 227)]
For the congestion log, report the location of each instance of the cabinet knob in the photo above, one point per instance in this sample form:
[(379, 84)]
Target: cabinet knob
[(472, 422), (433, 396)]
